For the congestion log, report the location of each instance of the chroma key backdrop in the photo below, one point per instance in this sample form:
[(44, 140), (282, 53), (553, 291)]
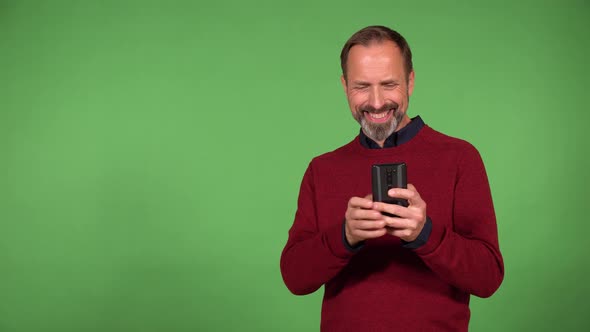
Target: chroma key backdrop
[(151, 153)]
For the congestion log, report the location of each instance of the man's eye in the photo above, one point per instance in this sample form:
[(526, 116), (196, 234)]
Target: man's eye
[(390, 85), (361, 87)]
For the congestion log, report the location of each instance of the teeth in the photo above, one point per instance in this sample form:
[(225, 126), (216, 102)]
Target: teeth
[(378, 115)]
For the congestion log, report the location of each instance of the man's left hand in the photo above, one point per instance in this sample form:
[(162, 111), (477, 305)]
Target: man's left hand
[(410, 221)]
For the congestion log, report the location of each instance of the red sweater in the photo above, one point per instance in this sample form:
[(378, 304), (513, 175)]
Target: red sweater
[(385, 287)]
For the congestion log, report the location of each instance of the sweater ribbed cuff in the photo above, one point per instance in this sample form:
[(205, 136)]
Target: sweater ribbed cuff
[(351, 249), (422, 238), (333, 237), (437, 235)]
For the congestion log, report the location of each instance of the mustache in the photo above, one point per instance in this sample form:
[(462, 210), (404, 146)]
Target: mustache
[(386, 107)]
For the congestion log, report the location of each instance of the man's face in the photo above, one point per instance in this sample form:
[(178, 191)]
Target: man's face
[(378, 88)]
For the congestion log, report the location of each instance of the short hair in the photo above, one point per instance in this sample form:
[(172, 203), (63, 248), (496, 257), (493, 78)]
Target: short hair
[(377, 34)]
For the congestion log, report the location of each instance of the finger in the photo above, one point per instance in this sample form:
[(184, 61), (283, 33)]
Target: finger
[(364, 214), (370, 234), (395, 209), (404, 234), (366, 224), (412, 196), (398, 223), (390, 230), (401, 193), (369, 197), (358, 202)]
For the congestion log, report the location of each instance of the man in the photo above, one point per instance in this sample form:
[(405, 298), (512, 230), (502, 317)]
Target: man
[(413, 272)]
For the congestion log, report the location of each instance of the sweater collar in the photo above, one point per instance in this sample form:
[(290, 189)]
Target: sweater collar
[(396, 138)]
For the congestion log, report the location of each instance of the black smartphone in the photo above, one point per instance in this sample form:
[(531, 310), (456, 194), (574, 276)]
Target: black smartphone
[(385, 177)]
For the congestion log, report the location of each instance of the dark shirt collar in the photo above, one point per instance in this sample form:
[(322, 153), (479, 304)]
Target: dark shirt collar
[(397, 138)]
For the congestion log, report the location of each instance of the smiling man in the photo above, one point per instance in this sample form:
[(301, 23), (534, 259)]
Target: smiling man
[(412, 272)]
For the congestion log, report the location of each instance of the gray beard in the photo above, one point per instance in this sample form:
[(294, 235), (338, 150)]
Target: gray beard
[(380, 131)]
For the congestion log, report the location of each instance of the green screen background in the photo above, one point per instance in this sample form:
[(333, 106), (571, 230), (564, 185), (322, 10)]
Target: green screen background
[(151, 153)]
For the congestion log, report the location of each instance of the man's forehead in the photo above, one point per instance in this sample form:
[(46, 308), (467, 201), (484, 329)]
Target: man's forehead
[(380, 61), (377, 54)]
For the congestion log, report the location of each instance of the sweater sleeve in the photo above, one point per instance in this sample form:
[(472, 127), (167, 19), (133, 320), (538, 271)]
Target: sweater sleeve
[(311, 256), (467, 255)]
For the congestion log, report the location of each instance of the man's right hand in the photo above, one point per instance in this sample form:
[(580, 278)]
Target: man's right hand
[(362, 222)]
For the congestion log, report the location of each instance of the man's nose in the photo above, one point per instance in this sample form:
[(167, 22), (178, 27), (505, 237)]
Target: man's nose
[(376, 98)]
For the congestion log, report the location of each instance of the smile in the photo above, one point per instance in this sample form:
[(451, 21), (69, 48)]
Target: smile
[(378, 117)]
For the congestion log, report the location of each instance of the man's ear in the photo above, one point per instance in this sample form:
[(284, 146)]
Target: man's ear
[(411, 83), (343, 81)]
